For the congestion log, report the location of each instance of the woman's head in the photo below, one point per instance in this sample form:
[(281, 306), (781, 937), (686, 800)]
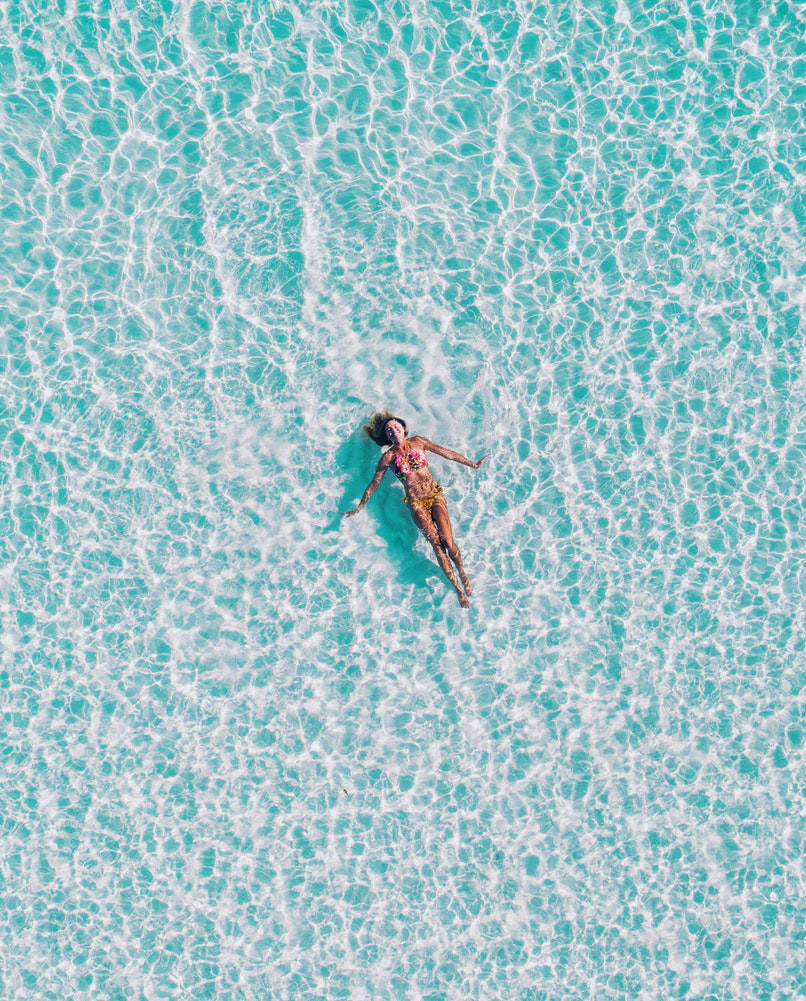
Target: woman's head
[(395, 430), (376, 427)]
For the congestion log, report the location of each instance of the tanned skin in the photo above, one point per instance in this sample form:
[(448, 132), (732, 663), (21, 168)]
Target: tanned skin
[(435, 524)]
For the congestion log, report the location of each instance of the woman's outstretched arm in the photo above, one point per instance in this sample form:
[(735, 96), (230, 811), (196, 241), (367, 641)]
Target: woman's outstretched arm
[(448, 453), (374, 483)]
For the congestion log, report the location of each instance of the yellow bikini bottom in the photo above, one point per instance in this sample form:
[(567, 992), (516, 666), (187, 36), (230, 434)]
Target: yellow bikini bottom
[(424, 502)]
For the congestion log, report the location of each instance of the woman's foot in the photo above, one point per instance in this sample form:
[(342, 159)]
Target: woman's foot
[(462, 600)]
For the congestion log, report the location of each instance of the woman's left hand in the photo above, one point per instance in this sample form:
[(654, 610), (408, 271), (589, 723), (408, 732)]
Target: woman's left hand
[(483, 459)]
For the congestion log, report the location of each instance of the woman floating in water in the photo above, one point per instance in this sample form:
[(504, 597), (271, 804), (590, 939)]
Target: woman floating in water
[(423, 494)]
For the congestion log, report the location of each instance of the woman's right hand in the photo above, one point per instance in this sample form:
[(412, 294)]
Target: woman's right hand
[(349, 514)]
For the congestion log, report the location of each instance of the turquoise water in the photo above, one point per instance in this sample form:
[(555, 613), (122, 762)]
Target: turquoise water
[(250, 750)]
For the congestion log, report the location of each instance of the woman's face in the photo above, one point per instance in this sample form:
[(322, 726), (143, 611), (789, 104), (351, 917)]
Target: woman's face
[(395, 432)]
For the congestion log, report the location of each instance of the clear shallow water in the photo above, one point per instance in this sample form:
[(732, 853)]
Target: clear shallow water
[(251, 751)]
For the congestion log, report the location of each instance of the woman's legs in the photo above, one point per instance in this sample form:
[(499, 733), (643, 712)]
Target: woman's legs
[(424, 521), (439, 512)]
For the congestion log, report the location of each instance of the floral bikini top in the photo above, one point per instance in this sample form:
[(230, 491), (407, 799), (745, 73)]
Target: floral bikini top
[(404, 465)]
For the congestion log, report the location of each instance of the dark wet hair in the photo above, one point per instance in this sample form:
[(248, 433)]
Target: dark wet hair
[(376, 426)]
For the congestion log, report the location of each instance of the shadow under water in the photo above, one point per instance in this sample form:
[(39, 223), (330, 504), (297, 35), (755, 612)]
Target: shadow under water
[(356, 458)]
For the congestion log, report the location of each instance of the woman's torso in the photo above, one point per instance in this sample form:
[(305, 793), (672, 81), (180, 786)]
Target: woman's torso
[(410, 466)]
